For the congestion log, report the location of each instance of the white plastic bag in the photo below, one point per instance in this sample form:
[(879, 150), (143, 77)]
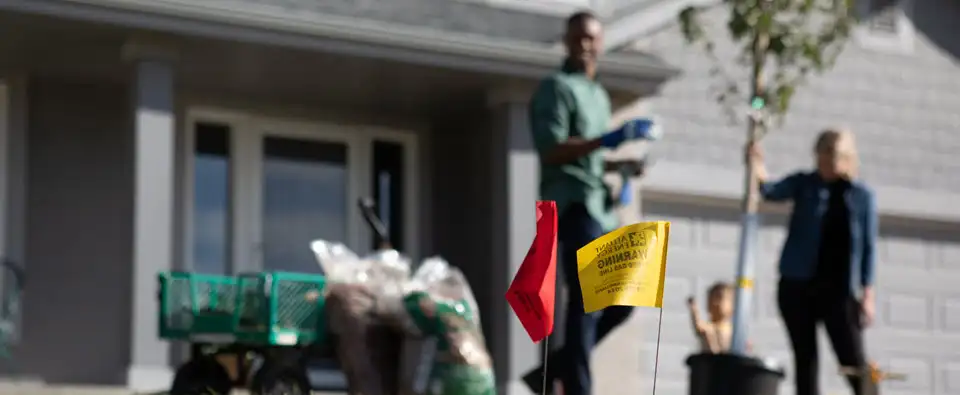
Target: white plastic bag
[(385, 271), (388, 271), (336, 260)]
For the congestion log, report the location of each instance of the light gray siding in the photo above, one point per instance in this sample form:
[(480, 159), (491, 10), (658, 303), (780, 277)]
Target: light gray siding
[(914, 332), (902, 105)]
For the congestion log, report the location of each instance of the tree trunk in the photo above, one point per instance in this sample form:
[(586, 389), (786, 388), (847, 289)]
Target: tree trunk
[(751, 194), (751, 204)]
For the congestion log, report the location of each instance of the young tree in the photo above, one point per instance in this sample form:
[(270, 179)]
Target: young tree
[(780, 43)]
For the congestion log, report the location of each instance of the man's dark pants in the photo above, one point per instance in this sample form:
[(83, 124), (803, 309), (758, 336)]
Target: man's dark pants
[(582, 331)]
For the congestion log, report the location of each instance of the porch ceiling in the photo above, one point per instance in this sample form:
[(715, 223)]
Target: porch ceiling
[(78, 50), (339, 80)]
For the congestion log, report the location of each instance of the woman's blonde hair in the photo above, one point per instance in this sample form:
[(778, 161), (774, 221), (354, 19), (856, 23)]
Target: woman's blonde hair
[(843, 145)]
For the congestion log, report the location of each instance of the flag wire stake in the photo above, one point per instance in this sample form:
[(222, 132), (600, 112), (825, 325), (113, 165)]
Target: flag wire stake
[(656, 359), (546, 351)]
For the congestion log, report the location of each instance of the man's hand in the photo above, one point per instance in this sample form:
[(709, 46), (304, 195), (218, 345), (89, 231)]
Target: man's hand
[(635, 129)]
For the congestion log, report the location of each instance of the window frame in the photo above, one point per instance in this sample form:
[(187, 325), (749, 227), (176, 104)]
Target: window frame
[(5, 170), (245, 163), (900, 42), (13, 194)]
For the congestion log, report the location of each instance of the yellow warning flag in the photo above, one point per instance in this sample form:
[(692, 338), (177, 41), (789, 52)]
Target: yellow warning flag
[(625, 267)]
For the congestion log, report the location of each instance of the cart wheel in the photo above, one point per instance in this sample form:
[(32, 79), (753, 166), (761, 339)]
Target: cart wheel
[(280, 379), (201, 376)]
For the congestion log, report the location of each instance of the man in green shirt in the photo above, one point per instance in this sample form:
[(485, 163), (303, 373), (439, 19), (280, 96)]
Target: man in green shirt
[(569, 116)]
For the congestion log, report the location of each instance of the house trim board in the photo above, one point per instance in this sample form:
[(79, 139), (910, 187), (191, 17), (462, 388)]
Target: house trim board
[(726, 184)]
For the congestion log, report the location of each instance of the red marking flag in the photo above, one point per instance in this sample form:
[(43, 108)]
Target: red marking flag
[(534, 288)]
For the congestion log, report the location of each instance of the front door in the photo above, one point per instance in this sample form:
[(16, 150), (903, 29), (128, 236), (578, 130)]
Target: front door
[(305, 194)]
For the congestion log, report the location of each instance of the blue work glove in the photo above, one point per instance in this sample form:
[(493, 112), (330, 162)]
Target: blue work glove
[(634, 129)]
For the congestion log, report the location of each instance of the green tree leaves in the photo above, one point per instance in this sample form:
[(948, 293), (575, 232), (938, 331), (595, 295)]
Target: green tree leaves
[(780, 42)]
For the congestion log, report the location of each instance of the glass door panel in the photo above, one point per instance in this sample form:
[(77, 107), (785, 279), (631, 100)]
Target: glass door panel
[(305, 191), (210, 247), (388, 189)]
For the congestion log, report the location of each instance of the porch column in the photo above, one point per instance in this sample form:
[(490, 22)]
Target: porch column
[(13, 183), (514, 193), (153, 128)]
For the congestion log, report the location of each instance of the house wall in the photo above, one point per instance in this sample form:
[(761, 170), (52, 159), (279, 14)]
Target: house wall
[(78, 233), (466, 207), (486, 177), (462, 227), (901, 104), (914, 330), (81, 195)]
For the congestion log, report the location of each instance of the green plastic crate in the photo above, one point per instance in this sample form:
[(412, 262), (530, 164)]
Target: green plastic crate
[(197, 307), (274, 309)]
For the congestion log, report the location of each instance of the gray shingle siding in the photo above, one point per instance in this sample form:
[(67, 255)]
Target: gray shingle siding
[(903, 107), (446, 15)]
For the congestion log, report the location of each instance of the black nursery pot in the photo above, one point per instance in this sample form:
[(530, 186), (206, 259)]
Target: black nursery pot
[(729, 374)]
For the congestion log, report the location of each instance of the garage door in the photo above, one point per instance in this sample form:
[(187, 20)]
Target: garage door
[(918, 308)]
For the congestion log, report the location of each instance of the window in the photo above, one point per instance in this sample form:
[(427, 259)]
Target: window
[(305, 191), (211, 199), (886, 25), (8, 286), (388, 179), (258, 191), (13, 145), (883, 17)]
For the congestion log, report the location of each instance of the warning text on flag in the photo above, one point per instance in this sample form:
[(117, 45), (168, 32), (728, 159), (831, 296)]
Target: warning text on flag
[(625, 267)]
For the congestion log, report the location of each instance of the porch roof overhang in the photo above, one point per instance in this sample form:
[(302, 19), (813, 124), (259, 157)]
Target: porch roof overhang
[(623, 74), (652, 16)]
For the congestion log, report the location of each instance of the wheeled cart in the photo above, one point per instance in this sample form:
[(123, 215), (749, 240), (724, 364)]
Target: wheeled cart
[(254, 330)]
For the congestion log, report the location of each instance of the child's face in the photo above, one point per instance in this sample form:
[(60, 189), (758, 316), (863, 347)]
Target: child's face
[(720, 304)]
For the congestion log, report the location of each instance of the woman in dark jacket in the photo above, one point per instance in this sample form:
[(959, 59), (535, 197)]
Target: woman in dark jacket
[(827, 263)]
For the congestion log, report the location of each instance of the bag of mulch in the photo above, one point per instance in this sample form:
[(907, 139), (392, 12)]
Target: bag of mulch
[(367, 349), (441, 310), (367, 346)]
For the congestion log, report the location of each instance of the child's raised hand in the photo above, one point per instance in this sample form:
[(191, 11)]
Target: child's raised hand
[(691, 302)]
